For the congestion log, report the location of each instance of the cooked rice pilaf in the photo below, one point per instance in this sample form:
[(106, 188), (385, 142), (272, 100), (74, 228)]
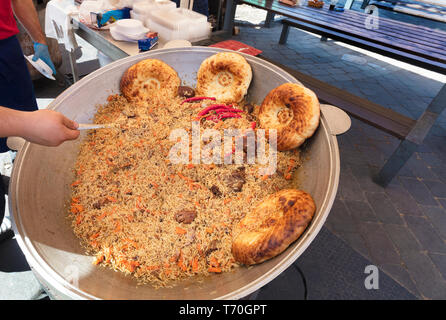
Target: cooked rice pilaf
[(137, 212)]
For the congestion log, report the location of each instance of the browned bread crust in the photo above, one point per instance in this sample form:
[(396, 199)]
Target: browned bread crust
[(272, 226), (148, 78), (225, 76), (293, 111)]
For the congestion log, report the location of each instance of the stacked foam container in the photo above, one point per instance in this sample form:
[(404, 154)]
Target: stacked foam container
[(170, 22)]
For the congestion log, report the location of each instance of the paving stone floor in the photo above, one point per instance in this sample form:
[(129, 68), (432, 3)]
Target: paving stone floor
[(401, 228)]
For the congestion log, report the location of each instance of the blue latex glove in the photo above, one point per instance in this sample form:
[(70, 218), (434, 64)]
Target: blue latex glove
[(41, 52)]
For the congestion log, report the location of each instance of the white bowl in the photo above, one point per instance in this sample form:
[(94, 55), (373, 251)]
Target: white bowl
[(130, 27)]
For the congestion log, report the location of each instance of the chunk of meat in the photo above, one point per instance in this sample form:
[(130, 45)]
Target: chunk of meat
[(249, 107), (185, 216), (211, 247), (186, 92), (236, 179), (100, 203), (215, 191)]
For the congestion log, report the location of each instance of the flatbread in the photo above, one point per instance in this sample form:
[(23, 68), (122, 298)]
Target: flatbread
[(148, 78), (293, 111), (272, 226), (225, 76)]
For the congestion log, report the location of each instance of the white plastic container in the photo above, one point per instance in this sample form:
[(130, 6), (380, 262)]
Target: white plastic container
[(142, 9), (179, 24), (137, 16), (165, 4)]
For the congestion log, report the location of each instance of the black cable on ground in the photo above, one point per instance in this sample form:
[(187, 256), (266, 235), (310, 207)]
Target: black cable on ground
[(303, 280)]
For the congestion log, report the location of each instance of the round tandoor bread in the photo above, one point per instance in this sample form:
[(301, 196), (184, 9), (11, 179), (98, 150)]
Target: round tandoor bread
[(293, 111), (225, 76), (272, 226), (147, 78)]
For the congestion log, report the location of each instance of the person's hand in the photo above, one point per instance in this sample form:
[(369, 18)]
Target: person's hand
[(41, 52), (49, 128)]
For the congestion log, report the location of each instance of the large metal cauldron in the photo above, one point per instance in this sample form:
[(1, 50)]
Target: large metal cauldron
[(39, 193)]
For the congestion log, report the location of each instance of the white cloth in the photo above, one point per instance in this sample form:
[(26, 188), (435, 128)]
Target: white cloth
[(58, 22)]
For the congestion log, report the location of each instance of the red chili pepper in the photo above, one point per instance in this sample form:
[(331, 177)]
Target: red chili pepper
[(228, 115), (253, 125), (213, 118), (218, 110), (228, 109), (212, 107), (197, 99)]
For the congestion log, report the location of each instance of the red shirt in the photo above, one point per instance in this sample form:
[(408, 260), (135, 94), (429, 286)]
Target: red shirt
[(8, 26)]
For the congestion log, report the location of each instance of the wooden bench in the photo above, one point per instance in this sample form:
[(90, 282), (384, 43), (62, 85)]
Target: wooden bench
[(413, 44), (419, 56)]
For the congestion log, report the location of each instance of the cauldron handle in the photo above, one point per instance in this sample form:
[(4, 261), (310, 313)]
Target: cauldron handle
[(15, 143), (338, 120)]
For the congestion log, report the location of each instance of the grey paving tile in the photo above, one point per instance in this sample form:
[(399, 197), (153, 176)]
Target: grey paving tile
[(352, 155), (381, 249), (349, 188), (442, 202), (339, 219), (361, 210), (406, 172), (418, 191), (401, 199), (383, 208), (364, 174), (400, 274), (374, 155), (356, 241), (420, 169), (426, 234), (427, 278), (437, 217), (437, 188), (440, 262), (342, 77), (402, 238), (386, 147)]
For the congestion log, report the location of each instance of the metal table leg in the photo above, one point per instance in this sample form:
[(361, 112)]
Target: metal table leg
[(73, 65), (415, 138), (269, 18), (348, 4), (231, 6), (364, 4)]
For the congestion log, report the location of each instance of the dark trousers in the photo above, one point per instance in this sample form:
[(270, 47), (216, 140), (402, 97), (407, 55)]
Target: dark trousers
[(16, 88), (16, 91)]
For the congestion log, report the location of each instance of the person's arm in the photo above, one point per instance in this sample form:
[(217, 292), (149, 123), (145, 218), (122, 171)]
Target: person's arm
[(26, 13), (45, 127)]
